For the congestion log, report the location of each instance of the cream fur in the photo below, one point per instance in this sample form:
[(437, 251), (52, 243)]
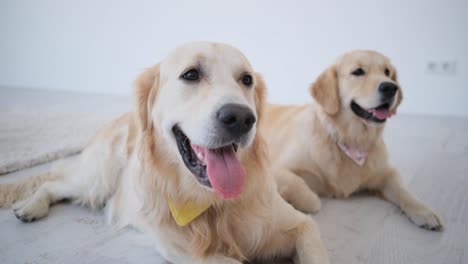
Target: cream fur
[(133, 167), (303, 140)]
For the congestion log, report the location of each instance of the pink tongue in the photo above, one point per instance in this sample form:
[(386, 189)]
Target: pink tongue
[(381, 113), (225, 172)]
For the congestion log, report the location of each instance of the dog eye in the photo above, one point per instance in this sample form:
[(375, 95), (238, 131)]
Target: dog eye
[(358, 72), (191, 75), (247, 79), (387, 72)]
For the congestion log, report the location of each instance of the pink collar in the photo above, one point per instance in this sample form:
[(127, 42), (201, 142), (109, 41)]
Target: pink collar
[(356, 154)]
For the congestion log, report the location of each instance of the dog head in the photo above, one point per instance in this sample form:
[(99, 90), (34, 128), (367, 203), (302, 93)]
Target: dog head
[(204, 99), (362, 84)]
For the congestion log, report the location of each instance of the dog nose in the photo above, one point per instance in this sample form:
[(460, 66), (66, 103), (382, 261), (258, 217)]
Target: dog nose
[(388, 89), (236, 119)]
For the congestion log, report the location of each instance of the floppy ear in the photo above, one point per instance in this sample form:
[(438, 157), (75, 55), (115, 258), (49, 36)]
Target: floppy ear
[(325, 91), (259, 94), (258, 145), (394, 78), (146, 87), (394, 75)]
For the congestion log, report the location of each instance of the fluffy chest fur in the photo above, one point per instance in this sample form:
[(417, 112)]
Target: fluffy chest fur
[(308, 146), (237, 228), (335, 174)]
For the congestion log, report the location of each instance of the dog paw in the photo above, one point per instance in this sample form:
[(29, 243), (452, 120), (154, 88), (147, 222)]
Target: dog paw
[(30, 210), (315, 203), (309, 204), (426, 218)]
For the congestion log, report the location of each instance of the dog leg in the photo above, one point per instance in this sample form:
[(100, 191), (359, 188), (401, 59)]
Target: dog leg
[(296, 192), (419, 214), (295, 235), (37, 206), (309, 247)]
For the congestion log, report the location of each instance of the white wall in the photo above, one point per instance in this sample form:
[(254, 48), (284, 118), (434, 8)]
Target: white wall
[(100, 46)]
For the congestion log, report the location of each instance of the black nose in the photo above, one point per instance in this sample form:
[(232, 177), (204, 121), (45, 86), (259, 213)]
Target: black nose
[(236, 119), (388, 89)]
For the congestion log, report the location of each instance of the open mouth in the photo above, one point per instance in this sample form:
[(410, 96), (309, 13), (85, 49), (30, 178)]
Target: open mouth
[(378, 114), (216, 168)]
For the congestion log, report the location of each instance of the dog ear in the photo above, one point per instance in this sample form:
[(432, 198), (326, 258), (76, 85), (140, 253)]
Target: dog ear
[(394, 77), (259, 94), (325, 91), (258, 145), (146, 87)]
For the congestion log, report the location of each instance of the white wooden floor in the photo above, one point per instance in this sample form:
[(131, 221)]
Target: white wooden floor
[(431, 153)]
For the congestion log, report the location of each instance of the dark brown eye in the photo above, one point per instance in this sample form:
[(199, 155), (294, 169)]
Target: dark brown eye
[(387, 72), (191, 75), (358, 72), (247, 79)]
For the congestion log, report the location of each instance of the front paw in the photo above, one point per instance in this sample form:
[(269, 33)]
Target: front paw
[(314, 203), (425, 218), (308, 202), (30, 210)]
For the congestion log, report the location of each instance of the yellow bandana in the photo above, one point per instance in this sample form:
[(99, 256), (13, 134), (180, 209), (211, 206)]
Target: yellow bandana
[(185, 213)]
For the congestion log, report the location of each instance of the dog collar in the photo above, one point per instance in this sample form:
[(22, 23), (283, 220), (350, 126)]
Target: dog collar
[(185, 213), (356, 154)]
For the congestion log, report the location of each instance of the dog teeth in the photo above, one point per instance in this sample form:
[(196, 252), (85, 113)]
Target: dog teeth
[(200, 155)]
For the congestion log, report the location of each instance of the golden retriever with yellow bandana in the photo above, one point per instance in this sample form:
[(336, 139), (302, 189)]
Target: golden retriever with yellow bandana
[(187, 167)]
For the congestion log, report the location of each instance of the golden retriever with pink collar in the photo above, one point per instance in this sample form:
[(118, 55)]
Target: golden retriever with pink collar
[(334, 145)]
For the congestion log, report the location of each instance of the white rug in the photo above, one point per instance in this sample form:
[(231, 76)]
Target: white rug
[(41, 126)]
